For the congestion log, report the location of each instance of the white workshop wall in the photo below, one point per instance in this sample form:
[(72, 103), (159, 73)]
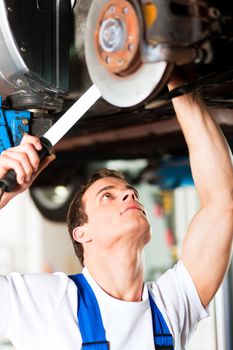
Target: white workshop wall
[(29, 243)]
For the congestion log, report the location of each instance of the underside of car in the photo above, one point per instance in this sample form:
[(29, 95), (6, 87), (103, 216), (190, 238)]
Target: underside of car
[(52, 52)]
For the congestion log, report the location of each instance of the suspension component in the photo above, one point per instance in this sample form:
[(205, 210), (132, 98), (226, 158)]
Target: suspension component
[(132, 46)]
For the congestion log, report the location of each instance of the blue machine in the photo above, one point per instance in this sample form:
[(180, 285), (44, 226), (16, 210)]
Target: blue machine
[(13, 125), (174, 172)]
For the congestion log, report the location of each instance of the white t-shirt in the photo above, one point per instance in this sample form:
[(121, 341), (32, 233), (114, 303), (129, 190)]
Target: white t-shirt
[(39, 311)]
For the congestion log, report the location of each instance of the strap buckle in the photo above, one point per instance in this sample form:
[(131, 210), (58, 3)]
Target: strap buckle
[(97, 345)]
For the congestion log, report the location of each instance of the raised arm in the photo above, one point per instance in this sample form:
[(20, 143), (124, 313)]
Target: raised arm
[(207, 246), (25, 161)]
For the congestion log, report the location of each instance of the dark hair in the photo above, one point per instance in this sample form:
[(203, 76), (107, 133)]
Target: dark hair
[(76, 214)]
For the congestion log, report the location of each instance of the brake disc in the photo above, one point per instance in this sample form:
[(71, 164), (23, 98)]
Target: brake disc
[(113, 44)]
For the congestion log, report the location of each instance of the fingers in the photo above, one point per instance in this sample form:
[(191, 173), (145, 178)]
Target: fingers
[(181, 75), (20, 163), (8, 196), (33, 140), (175, 81), (26, 153), (23, 159)]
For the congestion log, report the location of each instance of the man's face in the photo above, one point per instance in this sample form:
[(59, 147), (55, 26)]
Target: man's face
[(115, 214)]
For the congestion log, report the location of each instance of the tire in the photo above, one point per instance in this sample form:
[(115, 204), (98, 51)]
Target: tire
[(53, 202)]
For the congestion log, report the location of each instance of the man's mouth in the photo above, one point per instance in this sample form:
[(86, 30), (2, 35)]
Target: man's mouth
[(134, 207)]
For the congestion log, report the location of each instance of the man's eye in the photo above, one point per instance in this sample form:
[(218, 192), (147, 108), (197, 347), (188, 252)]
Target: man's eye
[(106, 196)]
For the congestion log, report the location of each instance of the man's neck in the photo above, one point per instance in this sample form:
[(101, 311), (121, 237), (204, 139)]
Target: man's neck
[(120, 276)]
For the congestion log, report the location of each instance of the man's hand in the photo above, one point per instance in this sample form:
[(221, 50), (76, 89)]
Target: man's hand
[(24, 160)]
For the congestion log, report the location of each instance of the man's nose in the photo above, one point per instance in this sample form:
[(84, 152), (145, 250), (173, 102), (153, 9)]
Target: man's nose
[(129, 195)]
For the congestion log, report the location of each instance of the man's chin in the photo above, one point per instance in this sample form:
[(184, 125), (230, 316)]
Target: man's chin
[(147, 237)]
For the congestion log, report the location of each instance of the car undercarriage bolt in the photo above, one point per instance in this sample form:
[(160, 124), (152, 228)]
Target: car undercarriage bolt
[(112, 9), (120, 61), (130, 47), (108, 60), (25, 121)]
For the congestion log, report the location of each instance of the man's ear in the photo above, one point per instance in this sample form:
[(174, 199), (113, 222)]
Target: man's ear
[(80, 234)]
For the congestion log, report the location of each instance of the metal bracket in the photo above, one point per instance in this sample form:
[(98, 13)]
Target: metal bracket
[(13, 125)]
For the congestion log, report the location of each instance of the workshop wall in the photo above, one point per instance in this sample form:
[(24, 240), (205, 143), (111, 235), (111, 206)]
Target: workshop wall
[(29, 243)]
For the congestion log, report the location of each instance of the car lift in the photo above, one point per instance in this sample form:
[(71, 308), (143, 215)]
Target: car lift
[(13, 125)]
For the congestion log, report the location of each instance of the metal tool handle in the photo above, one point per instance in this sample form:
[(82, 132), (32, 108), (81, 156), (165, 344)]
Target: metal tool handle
[(9, 182)]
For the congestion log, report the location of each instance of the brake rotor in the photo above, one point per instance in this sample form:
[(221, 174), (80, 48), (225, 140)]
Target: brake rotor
[(113, 42)]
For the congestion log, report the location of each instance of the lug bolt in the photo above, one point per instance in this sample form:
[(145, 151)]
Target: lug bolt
[(125, 10), (112, 9), (25, 121), (108, 60), (130, 47), (120, 62)]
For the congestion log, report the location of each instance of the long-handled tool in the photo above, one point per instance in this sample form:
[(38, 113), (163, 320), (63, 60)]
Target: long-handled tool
[(56, 132)]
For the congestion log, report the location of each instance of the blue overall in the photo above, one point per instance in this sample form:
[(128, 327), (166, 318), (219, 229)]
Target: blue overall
[(91, 325)]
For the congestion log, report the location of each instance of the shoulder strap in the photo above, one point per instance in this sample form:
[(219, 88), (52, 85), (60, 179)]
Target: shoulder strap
[(162, 336), (91, 325), (89, 316)]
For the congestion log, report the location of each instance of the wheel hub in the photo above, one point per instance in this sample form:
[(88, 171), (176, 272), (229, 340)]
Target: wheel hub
[(117, 36)]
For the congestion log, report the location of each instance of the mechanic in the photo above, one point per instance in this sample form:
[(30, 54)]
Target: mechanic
[(108, 223)]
